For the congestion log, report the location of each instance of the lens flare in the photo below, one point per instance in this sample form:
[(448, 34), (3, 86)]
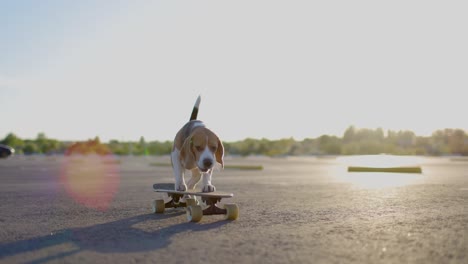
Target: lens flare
[(91, 181)]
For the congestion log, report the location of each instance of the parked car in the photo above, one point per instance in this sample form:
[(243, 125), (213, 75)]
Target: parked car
[(6, 151)]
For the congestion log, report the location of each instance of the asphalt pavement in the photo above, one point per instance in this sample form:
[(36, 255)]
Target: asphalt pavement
[(295, 210)]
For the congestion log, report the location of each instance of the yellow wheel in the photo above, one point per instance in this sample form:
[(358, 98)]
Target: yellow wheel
[(194, 213), (232, 211), (191, 201), (158, 206)]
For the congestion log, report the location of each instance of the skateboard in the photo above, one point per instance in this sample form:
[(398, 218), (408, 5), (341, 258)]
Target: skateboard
[(194, 210)]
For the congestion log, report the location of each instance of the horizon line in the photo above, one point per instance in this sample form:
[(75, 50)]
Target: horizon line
[(385, 131)]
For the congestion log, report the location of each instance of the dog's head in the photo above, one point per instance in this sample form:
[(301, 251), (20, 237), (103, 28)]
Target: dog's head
[(203, 148)]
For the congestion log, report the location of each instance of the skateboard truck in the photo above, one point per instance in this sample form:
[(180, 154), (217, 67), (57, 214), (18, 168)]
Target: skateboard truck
[(175, 201), (212, 209)]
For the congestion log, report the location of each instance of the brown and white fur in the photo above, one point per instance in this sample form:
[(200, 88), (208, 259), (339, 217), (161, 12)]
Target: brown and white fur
[(196, 148)]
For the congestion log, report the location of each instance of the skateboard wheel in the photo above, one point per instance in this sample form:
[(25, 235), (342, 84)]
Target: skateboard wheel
[(194, 213), (158, 206), (232, 211), (191, 201)]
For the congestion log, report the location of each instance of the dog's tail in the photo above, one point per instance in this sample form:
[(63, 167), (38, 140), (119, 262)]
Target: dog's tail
[(195, 109)]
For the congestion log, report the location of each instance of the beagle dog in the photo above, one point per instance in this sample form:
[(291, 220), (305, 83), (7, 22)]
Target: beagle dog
[(196, 148)]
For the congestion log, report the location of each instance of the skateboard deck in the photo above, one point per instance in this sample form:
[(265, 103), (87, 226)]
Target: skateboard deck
[(194, 210), (163, 188)]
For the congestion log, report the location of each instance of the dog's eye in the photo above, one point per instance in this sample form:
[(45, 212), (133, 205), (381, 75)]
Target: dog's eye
[(213, 148), (199, 148)]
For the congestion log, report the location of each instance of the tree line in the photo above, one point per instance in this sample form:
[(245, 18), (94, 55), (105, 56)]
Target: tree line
[(353, 142)]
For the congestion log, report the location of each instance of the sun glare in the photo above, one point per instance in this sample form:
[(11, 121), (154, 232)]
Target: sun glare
[(378, 180)]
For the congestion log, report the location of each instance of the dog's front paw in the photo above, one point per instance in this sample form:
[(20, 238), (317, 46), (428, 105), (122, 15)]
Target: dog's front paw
[(182, 187), (208, 188)]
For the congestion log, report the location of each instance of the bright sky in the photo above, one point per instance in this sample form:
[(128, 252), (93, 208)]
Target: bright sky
[(265, 69)]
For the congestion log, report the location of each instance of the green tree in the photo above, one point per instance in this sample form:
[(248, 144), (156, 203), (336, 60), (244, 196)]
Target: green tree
[(142, 148), (329, 145), (349, 134), (13, 141), (30, 147), (456, 141)]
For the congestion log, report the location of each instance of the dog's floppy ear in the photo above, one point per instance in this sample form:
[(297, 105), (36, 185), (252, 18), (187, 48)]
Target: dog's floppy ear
[(186, 153), (220, 153)]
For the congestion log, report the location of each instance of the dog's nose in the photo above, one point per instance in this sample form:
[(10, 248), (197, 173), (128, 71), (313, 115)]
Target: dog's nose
[(207, 163)]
